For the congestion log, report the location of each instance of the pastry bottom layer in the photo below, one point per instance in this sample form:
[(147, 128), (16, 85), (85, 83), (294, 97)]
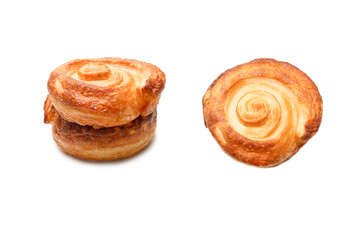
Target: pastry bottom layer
[(104, 144)]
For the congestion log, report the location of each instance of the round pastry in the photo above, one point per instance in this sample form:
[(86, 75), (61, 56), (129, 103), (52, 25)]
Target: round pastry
[(105, 92), (262, 112), (103, 144)]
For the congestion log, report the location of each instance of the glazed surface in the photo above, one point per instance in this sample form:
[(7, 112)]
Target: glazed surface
[(105, 92)]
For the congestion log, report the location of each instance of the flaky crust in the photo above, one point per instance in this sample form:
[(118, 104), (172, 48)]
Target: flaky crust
[(105, 92), (104, 144), (262, 112)]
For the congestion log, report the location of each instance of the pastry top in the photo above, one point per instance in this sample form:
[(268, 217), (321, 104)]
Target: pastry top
[(263, 111), (105, 92)]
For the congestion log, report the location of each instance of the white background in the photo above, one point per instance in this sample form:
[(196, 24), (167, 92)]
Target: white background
[(183, 186)]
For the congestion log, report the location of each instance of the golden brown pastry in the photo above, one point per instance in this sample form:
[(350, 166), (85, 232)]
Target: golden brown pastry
[(262, 112), (105, 92), (102, 144)]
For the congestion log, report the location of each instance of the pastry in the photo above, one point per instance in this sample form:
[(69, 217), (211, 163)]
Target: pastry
[(262, 112), (102, 144), (103, 109), (105, 92)]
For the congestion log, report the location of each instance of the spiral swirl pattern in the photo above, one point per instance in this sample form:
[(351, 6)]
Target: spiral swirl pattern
[(105, 92), (263, 111)]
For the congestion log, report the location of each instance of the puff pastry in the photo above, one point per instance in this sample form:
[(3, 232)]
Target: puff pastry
[(105, 92), (262, 112), (102, 144)]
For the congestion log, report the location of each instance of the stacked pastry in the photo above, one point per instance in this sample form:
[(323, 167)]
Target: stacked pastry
[(103, 109)]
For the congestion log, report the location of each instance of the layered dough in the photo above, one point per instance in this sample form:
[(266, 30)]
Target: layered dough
[(262, 112), (105, 92), (104, 144)]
